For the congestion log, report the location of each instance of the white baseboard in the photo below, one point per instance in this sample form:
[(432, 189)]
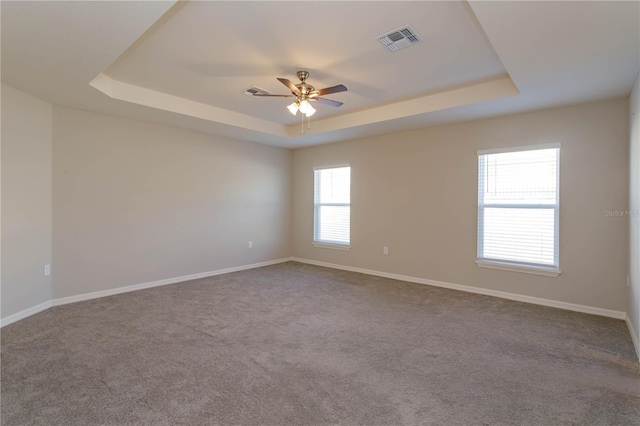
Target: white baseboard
[(25, 313), (135, 287), (495, 293), (478, 290), (97, 294), (634, 336)]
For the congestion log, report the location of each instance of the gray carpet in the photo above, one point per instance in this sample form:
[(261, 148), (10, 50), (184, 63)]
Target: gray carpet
[(294, 344)]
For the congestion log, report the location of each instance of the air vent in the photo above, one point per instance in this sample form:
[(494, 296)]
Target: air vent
[(399, 38), (253, 90)]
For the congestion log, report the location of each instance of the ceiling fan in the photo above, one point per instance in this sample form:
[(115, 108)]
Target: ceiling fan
[(306, 93)]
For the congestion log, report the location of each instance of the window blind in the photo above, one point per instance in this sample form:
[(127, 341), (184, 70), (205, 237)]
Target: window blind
[(332, 205), (518, 206)]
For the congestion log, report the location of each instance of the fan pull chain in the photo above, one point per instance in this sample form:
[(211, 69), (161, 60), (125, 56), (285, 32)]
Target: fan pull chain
[(302, 123)]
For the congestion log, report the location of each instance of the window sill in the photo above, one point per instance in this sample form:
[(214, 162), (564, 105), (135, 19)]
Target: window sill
[(332, 246), (548, 272)]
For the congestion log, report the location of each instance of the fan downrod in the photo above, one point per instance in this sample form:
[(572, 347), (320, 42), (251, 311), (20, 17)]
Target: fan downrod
[(303, 75)]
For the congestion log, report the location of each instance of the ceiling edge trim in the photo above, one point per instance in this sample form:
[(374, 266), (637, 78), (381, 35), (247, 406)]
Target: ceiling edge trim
[(139, 95), (479, 92)]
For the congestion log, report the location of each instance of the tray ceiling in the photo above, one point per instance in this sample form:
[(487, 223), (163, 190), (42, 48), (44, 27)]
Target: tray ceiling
[(188, 63)]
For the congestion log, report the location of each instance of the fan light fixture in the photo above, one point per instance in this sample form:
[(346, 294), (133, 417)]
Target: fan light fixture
[(304, 106), (293, 108)]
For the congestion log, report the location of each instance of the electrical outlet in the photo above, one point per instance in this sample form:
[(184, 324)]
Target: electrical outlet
[(47, 270), (250, 244), (628, 280), (385, 250)]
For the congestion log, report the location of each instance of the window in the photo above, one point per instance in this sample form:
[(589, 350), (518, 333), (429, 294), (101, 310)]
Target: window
[(518, 209), (332, 206)]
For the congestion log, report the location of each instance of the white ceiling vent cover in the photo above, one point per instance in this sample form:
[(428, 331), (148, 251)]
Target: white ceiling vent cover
[(253, 90), (399, 38)]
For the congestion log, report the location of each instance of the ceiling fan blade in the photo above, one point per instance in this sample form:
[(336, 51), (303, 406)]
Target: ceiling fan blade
[(289, 84), (327, 101), (329, 90), (273, 96)]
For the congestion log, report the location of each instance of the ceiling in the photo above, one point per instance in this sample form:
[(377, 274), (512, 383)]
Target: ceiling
[(188, 63)]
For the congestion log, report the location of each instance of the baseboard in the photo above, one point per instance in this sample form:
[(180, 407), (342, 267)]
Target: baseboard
[(634, 336), (97, 294), (487, 292), (25, 313), (477, 290), (136, 287)]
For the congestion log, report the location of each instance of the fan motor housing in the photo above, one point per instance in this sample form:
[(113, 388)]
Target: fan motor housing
[(305, 88)]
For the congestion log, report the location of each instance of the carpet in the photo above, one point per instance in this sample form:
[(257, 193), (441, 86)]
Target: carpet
[(295, 344)]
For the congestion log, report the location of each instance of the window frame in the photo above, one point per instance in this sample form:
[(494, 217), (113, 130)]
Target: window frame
[(316, 207), (510, 265)]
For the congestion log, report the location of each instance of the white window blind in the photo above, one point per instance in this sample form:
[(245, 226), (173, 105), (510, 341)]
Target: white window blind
[(332, 205), (518, 206)]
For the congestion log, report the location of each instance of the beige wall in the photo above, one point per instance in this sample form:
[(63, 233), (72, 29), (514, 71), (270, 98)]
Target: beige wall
[(26, 201), (416, 193), (633, 309), (136, 202)]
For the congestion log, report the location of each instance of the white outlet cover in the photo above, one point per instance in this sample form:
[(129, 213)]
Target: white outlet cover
[(47, 270)]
